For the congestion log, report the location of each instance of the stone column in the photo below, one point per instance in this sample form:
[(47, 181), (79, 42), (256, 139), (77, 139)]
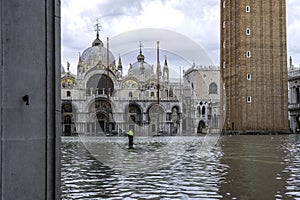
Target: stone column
[(30, 99)]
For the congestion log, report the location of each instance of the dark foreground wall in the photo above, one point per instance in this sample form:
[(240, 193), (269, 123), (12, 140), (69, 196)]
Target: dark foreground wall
[(30, 56)]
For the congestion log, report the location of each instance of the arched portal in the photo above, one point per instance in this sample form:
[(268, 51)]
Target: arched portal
[(103, 119), (133, 114), (201, 126), (68, 119), (156, 118), (175, 118)]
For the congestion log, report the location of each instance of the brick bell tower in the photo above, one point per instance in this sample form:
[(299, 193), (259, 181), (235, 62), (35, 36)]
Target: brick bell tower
[(253, 60)]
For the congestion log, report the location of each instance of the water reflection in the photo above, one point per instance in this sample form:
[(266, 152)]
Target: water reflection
[(255, 167), (236, 167), (150, 153), (292, 169), (192, 175)]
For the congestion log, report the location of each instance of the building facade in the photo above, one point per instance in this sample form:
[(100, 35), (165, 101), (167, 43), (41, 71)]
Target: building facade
[(294, 97), (253, 66), (101, 99), (205, 84)]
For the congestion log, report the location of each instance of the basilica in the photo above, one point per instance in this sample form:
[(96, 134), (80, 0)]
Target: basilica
[(102, 99)]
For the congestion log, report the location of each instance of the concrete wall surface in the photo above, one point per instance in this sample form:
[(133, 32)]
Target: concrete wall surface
[(30, 56)]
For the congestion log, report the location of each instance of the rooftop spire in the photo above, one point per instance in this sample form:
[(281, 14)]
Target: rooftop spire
[(120, 63), (140, 57), (97, 28), (79, 56), (291, 63), (68, 66), (79, 59), (166, 70), (97, 41), (140, 47)]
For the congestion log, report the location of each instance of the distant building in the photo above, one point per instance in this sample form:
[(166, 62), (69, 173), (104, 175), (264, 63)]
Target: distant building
[(294, 97), (102, 100), (253, 66), (205, 84)]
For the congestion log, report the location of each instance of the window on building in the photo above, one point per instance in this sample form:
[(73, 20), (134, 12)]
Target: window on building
[(130, 94), (171, 92), (203, 110), (224, 24), (152, 94), (68, 93), (248, 77), (213, 88), (224, 64), (68, 119), (248, 54), (167, 93), (224, 4), (249, 99), (247, 9), (224, 45), (248, 32)]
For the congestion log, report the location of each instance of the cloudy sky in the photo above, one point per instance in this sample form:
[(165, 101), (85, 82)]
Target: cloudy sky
[(194, 20)]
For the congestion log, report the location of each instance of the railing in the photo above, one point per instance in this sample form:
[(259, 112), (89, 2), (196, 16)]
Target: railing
[(294, 106), (91, 95), (294, 73), (150, 98)]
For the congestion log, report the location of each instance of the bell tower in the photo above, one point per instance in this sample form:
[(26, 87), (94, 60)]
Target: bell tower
[(254, 66)]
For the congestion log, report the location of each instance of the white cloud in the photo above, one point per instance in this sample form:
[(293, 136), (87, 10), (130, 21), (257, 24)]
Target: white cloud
[(158, 14), (293, 30), (198, 20)]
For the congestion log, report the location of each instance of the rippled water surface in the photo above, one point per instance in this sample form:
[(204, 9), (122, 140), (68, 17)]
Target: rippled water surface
[(227, 167)]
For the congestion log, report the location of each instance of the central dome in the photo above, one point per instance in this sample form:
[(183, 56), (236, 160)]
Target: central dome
[(97, 54), (141, 66)]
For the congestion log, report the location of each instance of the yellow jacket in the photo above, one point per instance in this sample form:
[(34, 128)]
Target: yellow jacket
[(130, 132)]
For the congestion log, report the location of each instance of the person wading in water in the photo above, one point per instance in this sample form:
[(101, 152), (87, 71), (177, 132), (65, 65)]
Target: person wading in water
[(130, 134)]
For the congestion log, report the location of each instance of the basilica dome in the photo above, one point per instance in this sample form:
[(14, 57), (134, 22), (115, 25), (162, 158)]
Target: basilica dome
[(96, 54), (141, 67)]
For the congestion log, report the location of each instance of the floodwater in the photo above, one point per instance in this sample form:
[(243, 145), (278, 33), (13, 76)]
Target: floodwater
[(225, 167)]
